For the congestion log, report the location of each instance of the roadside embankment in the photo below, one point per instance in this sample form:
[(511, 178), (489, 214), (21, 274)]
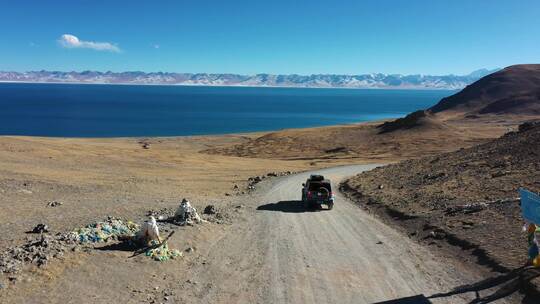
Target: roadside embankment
[(465, 202)]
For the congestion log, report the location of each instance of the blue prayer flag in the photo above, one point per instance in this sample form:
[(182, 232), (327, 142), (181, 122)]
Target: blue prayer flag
[(530, 206)]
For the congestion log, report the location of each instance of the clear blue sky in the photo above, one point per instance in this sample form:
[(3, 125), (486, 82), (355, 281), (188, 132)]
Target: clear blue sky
[(303, 37)]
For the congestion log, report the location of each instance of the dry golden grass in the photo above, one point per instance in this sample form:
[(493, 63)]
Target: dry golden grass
[(98, 177), (363, 142), (94, 178)]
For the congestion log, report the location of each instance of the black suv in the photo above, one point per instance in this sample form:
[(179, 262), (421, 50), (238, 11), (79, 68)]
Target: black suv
[(317, 191)]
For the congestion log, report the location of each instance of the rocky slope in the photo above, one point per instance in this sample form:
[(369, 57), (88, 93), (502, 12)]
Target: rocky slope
[(465, 198)]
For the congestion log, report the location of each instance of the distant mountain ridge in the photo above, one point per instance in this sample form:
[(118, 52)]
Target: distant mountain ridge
[(378, 80)]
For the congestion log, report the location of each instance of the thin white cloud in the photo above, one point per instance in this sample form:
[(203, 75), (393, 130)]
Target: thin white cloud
[(156, 46), (72, 42)]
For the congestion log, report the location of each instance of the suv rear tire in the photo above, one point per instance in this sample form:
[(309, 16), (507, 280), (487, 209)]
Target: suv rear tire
[(330, 206)]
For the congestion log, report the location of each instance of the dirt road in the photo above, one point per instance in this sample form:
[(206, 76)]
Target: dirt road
[(287, 255), (275, 252)]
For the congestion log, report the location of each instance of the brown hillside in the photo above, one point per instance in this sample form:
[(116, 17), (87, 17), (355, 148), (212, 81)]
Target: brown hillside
[(362, 142), (430, 192), (419, 120), (513, 90)]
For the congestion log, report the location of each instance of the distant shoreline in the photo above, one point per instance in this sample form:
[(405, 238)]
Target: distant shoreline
[(214, 114), (209, 135), (412, 88)]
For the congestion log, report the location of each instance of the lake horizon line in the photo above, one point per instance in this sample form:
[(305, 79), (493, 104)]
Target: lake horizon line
[(77, 110)]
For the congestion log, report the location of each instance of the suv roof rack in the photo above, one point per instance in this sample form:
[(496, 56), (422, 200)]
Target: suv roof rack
[(316, 177)]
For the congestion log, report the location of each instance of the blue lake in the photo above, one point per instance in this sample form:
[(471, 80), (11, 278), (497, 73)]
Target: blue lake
[(73, 110)]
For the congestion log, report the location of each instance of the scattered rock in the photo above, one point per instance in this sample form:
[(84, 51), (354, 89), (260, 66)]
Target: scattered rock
[(371, 201), (210, 209), (467, 225), (190, 250), (144, 144), (37, 252), (167, 292), (381, 187), (54, 204), (528, 125), (252, 181), (466, 209), (40, 228), (437, 234), (160, 214), (434, 176), (499, 173)]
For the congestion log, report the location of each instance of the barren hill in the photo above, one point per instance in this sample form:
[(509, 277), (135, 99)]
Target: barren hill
[(466, 197), (419, 120), (513, 90)]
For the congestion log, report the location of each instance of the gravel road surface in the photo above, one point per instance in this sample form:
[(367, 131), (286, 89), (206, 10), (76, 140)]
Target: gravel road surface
[(286, 254)]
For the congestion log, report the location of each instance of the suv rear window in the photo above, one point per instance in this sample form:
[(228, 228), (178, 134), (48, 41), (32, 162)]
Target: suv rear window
[(315, 186)]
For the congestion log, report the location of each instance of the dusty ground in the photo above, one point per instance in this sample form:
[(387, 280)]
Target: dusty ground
[(364, 142), (429, 197), (273, 252), (94, 178)]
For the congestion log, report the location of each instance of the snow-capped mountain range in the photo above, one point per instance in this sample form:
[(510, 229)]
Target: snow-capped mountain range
[(382, 81)]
